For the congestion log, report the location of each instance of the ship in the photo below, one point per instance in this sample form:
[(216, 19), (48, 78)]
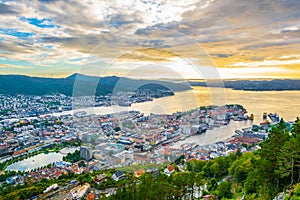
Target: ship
[(182, 138), (251, 117), (274, 117), (239, 132), (265, 116), (124, 103)]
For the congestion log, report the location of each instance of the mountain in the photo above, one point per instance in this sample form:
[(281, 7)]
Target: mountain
[(255, 85), (79, 84)]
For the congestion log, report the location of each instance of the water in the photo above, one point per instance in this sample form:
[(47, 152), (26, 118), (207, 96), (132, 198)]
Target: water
[(39, 160), (215, 135), (284, 103), (35, 162)]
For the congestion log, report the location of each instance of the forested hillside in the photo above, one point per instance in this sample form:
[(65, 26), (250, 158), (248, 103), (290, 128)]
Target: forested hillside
[(262, 174), (82, 85)]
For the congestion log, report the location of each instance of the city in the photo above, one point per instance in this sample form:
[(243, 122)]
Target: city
[(149, 100), (89, 142)]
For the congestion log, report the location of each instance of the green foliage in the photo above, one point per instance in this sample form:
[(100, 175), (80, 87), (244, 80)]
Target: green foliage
[(218, 167), (117, 129), (72, 157), (241, 167), (161, 187), (212, 185), (179, 159), (6, 175), (297, 190), (22, 192), (262, 174), (275, 167), (81, 164), (224, 190)]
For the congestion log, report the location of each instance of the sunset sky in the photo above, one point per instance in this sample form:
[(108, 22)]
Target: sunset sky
[(190, 39)]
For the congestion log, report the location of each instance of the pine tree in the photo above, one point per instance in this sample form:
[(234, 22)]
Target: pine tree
[(268, 165), (288, 159)]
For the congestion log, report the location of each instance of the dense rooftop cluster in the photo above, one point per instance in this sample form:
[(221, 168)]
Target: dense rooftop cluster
[(121, 139)]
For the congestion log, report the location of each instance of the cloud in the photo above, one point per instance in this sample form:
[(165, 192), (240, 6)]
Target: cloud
[(290, 28), (148, 54), (7, 10), (232, 33), (14, 66), (258, 72), (265, 63)]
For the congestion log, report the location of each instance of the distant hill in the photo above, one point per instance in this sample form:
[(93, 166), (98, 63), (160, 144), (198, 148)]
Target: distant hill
[(78, 84), (255, 85)]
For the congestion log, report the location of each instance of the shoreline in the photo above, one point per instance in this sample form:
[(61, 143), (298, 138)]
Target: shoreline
[(212, 134)]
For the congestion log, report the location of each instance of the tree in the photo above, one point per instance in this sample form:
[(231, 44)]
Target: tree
[(207, 169), (212, 185), (117, 129), (268, 179), (224, 190), (289, 159), (242, 166), (251, 183), (179, 159), (180, 182), (215, 169), (296, 127), (195, 165)]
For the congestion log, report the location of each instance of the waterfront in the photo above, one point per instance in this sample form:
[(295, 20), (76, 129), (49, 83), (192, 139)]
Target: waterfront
[(216, 135), (284, 103)]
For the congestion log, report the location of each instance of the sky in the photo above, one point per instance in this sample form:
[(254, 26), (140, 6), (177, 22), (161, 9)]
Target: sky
[(152, 39)]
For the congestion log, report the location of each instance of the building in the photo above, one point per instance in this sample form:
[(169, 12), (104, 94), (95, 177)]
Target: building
[(13, 179), (118, 175), (90, 196), (79, 191), (86, 153), (63, 164), (100, 178), (139, 173), (169, 170), (52, 187), (154, 172), (4, 150)]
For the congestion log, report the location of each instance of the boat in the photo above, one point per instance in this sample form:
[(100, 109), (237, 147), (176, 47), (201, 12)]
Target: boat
[(125, 142), (124, 104), (251, 117), (265, 116), (165, 143), (239, 132), (274, 117)]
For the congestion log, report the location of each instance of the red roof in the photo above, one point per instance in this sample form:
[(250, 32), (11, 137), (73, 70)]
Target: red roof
[(139, 172), (90, 196), (171, 168)]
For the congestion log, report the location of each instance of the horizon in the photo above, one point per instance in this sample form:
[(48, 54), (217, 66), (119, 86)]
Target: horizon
[(158, 79)]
